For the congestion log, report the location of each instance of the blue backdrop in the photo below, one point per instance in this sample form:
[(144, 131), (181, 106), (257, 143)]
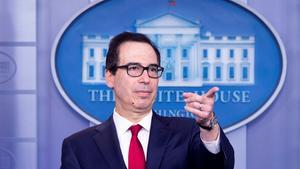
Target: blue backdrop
[(34, 118)]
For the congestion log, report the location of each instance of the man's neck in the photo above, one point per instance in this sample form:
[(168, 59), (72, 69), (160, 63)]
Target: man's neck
[(132, 116)]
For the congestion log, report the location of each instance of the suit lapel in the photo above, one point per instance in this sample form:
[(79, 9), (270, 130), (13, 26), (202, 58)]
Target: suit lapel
[(160, 135), (108, 144)]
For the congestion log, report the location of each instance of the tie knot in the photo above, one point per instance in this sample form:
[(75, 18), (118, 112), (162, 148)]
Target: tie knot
[(135, 129)]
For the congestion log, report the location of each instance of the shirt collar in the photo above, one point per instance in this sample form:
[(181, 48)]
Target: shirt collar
[(122, 124)]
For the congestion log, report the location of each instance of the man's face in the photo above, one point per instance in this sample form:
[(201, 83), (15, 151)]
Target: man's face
[(134, 94)]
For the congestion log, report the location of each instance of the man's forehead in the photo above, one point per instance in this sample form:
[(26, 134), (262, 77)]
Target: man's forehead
[(138, 52), (135, 43)]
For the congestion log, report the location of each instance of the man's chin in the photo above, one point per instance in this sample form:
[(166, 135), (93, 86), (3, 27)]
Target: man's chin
[(142, 105)]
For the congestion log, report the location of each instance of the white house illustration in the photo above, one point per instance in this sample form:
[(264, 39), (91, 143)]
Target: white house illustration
[(190, 57)]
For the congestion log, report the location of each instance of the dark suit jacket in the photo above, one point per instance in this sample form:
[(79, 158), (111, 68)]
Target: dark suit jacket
[(174, 144)]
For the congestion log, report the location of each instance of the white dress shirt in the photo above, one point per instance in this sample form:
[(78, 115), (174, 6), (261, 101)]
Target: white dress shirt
[(124, 135)]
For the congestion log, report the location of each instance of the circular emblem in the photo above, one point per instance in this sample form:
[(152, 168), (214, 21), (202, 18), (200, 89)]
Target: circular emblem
[(7, 160), (202, 44), (8, 67)]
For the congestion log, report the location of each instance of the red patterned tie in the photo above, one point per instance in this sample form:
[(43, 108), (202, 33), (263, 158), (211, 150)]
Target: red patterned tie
[(136, 158)]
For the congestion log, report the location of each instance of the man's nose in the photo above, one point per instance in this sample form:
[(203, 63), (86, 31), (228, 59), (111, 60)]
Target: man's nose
[(144, 77)]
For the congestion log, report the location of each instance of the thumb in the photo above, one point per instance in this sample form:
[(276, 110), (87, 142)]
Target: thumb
[(211, 92)]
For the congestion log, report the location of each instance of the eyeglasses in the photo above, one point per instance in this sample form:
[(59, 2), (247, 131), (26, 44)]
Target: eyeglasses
[(136, 70)]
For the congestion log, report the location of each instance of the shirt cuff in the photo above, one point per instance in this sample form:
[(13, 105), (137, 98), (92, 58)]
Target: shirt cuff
[(213, 146)]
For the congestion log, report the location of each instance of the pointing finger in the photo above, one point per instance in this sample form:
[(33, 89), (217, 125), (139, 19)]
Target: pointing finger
[(191, 97), (187, 94)]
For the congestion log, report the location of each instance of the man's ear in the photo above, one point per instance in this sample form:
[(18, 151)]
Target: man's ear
[(109, 77)]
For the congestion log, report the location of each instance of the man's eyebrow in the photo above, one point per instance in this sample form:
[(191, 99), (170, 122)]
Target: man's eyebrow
[(133, 63), (153, 64), (137, 63)]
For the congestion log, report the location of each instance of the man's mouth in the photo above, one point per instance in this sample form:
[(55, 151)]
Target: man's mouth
[(143, 93)]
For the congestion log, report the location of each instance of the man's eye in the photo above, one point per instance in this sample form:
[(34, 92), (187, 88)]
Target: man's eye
[(133, 67), (153, 69)]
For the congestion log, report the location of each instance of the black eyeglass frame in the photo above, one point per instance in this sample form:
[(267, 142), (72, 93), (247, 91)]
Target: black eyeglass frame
[(159, 69)]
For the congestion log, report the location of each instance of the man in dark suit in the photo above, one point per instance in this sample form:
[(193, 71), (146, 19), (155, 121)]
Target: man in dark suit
[(135, 137)]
